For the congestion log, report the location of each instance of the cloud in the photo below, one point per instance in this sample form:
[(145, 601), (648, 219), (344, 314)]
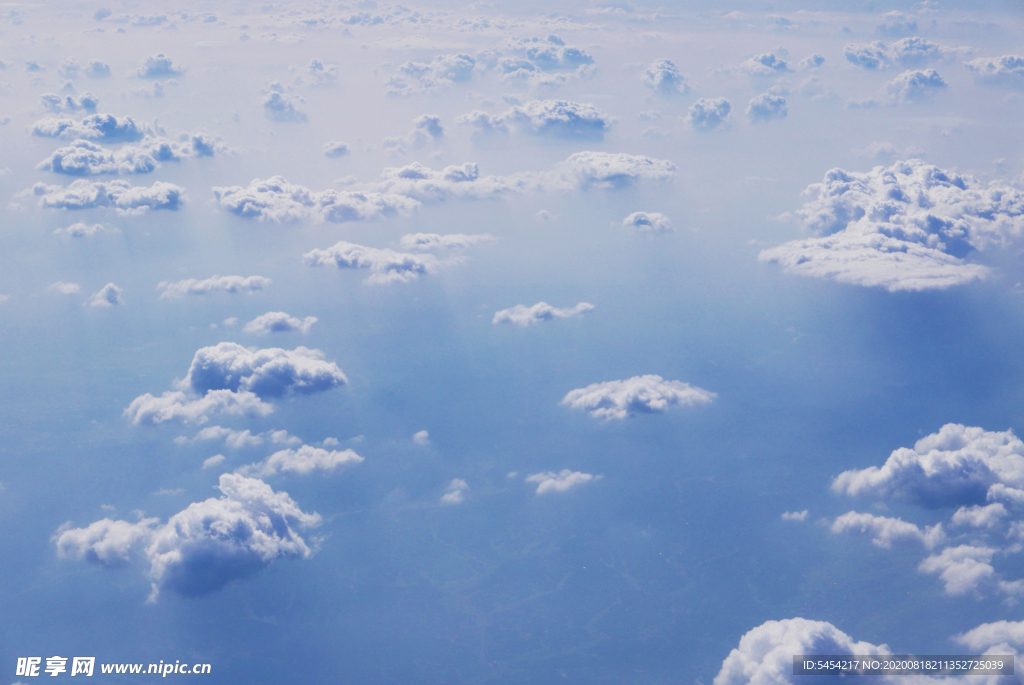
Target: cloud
[(270, 372), (426, 128), (962, 569), (232, 438), (765, 654), (989, 634), (421, 438), (158, 66), (108, 296), (65, 288), (335, 148), (318, 74), (811, 62), (663, 77), (906, 51), (106, 542), (227, 284), (766, 64), (550, 53), (521, 315), (1008, 69), (70, 104), (68, 68), (794, 515), (177, 406), (82, 230), (279, 107), (897, 24), (558, 118), (767, 107), (708, 113), (83, 157), (121, 195), (275, 199), (912, 86), (640, 394), (278, 322), (387, 266), (550, 481), (904, 227), (884, 531), (215, 460), (97, 69), (648, 222), (302, 462), (433, 241), (978, 516), (443, 71), (455, 490), (103, 127)]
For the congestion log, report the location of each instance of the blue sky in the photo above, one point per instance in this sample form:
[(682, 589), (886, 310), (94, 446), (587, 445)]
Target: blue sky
[(600, 343)]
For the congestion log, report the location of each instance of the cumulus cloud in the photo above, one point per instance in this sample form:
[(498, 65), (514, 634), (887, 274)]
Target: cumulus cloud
[(209, 544), (158, 66), (1008, 69), (280, 107), (897, 24), (766, 64), (559, 118), (550, 53), (454, 492), (52, 102), (227, 284), (905, 227), (978, 516), (107, 296), (178, 407), (664, 77), (648, 222), (989, 634), (270, 372), (451, 241), (119, 195), (640, 394), (97, 69), (549, 481), (386, 265), (335, 148), (301, 461), (907, 51), (708, 113), (962, 569), (102, 127), (83, 157), (442, 71), (912, 86), (275, 199), (521, 315), (65, 288), (278, 322), (811, 62), (426, 128), (232, 438), (214, 461), (767, 107), (884, 531)]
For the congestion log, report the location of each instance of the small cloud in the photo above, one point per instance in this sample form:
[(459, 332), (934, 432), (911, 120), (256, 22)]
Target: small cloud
[(158, 66), (421, 438), (794, 515), (335, 148), (108, 296), (708, 113), (65, 288), (455, 490), (648, 222), (278, 322), (164, 492), (549, 481), (521, 315)]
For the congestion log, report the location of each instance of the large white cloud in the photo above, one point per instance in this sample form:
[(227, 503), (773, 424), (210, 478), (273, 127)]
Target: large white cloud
[(904, 227), (105, 542), (83, 157), (386, 265), (521, 315), (227, 284), (640, 394), (178, 407), (301, 461), (102, 127), (269, 372), (117, 194)]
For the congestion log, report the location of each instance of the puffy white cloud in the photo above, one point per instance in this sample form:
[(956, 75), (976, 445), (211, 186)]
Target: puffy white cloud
[(639, 394), (877, 55), (521, 315), (1008, 69), (215, 460), (83, 157), (107, 296), (442, 71), (335, 148), (549, 481), (957, 465), (318, 74), (766, 64), (962, 569), (648, 222), (454, 492), (52, 102), (979, 516), (269, 372), (118, 194), (158, 66), (386, 265), (764, 655), (68, 68), (177, 406), (275, 199), (550, 53), (560, 118), (812, 61), (905, 227), (227, 284), (708, 113), (105, 542), (794, 515), (616, 170), (664, 77), (451, 241), (65, 288), (278, 322), (301, 461), (426, 128), (884, 530), (988, 634), (279, 107), (232, 438), (421, 437), (915, 85), (104, 127), (767, 107)]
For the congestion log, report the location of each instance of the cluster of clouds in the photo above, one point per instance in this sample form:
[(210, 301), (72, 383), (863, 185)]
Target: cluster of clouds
[(236, 439), (385, 265), (908, 51), (86, 158), (904, 227), (649, 394), (975, 475), (118, 194), (106, 297), (70, 68), (426, 128), (95, 127), (521, 315), (69, 104), (559, 118), (1008, 69)]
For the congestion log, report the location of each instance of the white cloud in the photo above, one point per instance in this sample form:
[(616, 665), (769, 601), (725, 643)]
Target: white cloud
[(280, 107), (905, 227), (426, 128), (897, 24), (648, 222), (83, 157), (103, 127), (639, 394), (962, 569), (442, 71), (158, 66), (82, 230), (559, 118), (979, 516), (269, 372), (177, 406), (708, 113), (451, 241), (549, 481), (301, 461), (65, 288), (232, 438), (812, 62), (911, 86), (69, 104), (521, 315), (794, 515), (335, 148), (227, 284), (421, 438), (118, 194), (766, 64), (278, 322), (215, 460), (664, 77), (107, 296), (884, 530), (387, 266), (989, 634), (97, 69), (767, 107), (454, 492), (106, 542), (1008, 69)]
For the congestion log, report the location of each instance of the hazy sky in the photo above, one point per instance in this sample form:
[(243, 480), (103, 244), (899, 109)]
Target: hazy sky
[(510, 343)]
